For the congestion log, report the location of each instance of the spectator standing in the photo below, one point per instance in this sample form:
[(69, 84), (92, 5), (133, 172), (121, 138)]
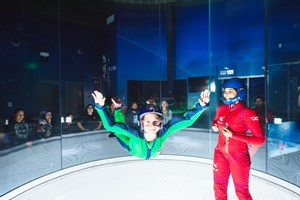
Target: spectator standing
[(167, 112), (260, 110), (131, 118)]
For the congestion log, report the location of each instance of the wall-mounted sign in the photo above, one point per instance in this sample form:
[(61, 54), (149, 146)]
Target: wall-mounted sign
[(226, 71)]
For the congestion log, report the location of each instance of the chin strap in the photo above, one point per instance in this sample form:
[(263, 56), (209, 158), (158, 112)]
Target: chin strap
[(231, 101)]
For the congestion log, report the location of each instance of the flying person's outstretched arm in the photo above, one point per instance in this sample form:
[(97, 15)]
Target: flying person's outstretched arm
[(119, 126), (189, 117)]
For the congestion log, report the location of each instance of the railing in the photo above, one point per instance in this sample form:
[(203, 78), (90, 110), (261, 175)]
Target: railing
[(22, 164)]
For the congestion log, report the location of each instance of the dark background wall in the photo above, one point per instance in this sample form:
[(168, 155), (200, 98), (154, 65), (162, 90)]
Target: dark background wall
[(77, 37), (71, 33)]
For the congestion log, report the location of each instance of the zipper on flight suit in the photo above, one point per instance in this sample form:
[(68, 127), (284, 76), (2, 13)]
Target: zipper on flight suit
[(226, 143)]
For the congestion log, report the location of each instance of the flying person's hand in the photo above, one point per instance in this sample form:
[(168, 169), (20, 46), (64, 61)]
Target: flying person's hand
[(117, 102), (204, 97), (98, 98)]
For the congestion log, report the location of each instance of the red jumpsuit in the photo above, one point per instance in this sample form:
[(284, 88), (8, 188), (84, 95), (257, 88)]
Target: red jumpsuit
[(231, 155)]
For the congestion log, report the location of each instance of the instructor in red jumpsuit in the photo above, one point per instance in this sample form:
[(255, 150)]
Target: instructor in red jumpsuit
[(234, 121)]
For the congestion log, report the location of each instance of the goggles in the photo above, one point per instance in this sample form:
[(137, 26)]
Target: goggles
[(153, 123)]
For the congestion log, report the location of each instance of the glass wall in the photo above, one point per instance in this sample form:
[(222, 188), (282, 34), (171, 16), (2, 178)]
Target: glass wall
[(283, 90), (56, 53), (30, 91)]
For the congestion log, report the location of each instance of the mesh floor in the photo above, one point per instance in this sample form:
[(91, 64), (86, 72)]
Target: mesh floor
[(167, 177)]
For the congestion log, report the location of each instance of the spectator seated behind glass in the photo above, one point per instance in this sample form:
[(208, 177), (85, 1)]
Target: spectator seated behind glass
[(18, 129), (4, 142), (45, 127), (89, 120), (132, 115), (167, 112), (111, 112), (69, 126)]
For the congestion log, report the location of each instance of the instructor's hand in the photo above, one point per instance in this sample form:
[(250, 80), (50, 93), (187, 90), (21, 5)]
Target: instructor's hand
[(215, 128)]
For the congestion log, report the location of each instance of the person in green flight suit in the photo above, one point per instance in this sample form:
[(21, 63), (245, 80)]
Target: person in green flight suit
[(147, 140)]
